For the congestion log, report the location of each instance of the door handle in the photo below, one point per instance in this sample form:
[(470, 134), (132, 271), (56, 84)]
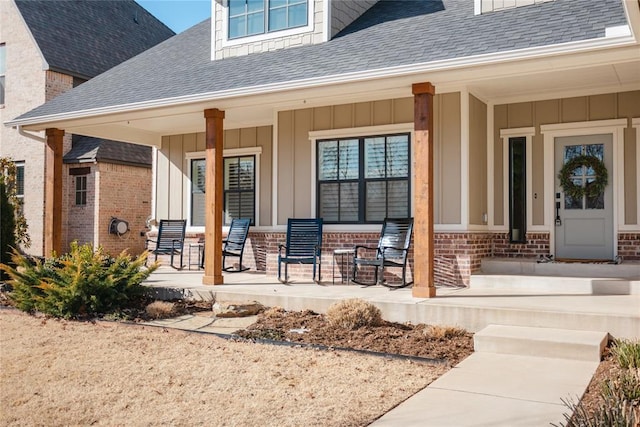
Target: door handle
[(558, 220)]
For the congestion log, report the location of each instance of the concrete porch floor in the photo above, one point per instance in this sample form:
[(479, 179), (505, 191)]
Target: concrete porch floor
[(472, 309)]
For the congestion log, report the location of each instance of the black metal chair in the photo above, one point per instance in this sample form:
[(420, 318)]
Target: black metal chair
[(392, 251), (170, 240), (233, 245), (304, 246)]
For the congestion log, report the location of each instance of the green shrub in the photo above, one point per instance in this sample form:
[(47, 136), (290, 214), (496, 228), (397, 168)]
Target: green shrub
[(353, 314), (84, 282)]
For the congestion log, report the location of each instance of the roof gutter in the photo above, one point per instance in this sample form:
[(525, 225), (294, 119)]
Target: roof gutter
[(30, 135), (397, 71)]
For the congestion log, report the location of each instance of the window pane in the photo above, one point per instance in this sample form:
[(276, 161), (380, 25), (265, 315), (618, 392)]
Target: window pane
[(398, 156), (1, 90), (231, 207), (298, 15), (596, 150), (20, 180), (255, 23), (349, 159), (398, 199), (247, 201), (3, 59), (376, 201), (237, 7), (596, 202), (374, 158), (197, 192), (517, 189), (570, 202), (246, 173), (237, 27), (231, 174), (327, 160), (349, 206), (255, 5), (328, 202), (277, 19)]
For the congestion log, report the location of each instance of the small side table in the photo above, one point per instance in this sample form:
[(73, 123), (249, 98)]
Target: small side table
[(200, 251), (342, 253)]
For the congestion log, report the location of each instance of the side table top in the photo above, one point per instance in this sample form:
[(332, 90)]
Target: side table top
[(341, 251)]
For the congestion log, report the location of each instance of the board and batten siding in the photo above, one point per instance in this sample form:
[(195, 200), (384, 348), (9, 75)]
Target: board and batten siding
[(295, 150), (477, 160), (172, 176), (565, 110)]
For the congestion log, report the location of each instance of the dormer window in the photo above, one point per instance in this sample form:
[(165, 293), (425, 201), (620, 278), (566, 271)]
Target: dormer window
[(253, 17)]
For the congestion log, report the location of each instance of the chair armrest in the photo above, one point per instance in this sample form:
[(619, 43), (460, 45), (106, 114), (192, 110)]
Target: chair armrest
[(280, 247)]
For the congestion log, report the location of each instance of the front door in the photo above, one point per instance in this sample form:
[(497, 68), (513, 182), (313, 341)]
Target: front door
[(584, 225)]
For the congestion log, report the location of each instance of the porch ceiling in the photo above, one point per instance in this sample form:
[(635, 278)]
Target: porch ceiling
[(507, 81)]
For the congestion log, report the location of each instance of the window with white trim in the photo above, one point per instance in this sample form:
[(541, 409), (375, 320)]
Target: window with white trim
[(252, 17), (20, 185), (81, 190), (363, 179), (239, 189)]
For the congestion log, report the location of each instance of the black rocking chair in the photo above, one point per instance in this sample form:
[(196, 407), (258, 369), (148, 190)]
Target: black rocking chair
[(392, 251), (233, 245), (304, 246), (170, 240)]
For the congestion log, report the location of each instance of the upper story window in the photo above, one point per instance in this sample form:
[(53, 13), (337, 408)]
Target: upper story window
[(252, 17), (3, 69), (363, 180)]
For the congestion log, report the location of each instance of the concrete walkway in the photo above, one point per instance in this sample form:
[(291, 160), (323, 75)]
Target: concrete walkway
[(489, 389)]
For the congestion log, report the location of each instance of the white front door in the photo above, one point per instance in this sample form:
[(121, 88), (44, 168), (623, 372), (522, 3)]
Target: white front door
[(584, 226)]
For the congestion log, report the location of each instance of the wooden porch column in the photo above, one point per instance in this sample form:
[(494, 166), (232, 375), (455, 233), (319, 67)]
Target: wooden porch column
[(423, 286), (53, 192), (213, 197)]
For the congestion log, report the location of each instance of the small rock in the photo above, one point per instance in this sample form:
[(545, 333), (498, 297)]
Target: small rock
[(237, 309)]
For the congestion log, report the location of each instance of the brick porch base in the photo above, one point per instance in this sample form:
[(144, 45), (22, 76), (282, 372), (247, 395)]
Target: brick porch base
[(457, 255)]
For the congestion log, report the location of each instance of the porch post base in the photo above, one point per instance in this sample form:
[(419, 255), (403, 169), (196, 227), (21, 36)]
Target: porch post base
[(213, 280), (423, 292)]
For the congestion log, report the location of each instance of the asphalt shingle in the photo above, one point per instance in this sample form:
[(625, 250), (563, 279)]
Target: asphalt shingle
[(391, 33), (88, 149), (85, 38)]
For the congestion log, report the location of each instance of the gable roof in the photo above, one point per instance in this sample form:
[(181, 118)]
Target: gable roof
[(391, 35), (88, 149), (85, 38)]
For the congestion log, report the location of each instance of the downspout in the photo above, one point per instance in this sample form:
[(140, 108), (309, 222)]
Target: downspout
[(30, 135)]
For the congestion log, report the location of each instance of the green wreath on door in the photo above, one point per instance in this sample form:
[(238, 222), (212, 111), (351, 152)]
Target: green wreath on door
[(592, 189)]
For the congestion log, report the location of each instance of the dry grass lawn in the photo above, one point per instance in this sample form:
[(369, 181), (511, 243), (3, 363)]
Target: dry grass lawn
[(68, 373)]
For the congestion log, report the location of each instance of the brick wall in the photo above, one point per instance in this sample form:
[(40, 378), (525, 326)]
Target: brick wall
[(78, 222), (124, 192), (457, 255), (629, 246), (25, 90)]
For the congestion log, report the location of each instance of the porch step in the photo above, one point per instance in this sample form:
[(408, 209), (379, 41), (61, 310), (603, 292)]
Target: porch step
[(541, 342), (627, 270), (556, 284)]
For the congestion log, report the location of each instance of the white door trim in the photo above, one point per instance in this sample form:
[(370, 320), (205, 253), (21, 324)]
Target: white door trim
[(635, 123), (615, 127)]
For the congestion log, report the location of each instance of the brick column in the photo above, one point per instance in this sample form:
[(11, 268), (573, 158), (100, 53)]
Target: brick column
[(53, 192), (213, 197), (424, 285)]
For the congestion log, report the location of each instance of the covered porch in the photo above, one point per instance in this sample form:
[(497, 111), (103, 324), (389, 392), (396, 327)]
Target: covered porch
[(594, 303)]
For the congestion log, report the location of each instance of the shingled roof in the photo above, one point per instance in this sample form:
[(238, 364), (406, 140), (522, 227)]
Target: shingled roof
[(86, 38), (88, 149), (390, 34)]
